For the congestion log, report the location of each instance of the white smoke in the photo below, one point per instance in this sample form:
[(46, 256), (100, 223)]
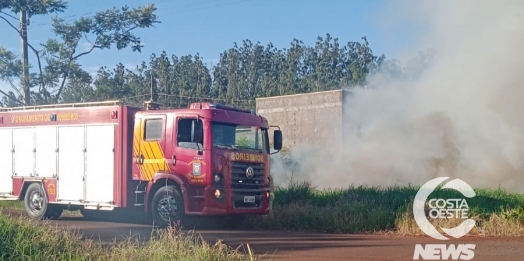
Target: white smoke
[(462, 117)]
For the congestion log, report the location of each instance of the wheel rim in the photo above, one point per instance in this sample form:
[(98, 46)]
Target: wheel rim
[(36, 202), (167, 207)]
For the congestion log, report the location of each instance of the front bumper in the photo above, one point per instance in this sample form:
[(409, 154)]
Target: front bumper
[(232, 201)]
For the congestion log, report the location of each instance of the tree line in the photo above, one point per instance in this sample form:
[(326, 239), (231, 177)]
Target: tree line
[(244, 72)]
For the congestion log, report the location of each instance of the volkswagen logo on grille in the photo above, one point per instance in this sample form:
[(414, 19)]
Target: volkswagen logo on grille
[(250, 172)]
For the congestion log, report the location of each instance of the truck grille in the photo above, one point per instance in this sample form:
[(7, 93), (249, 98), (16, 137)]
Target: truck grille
[(246, 184)]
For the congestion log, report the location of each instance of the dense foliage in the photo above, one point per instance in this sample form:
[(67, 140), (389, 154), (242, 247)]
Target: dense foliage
[(244, 72)]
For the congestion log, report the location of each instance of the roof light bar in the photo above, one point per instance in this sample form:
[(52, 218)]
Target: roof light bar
[(227, 108), (216, 106)]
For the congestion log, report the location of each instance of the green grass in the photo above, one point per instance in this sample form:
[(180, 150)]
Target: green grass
[(24, 239), (11, 204), (360, 209), (20, 205)]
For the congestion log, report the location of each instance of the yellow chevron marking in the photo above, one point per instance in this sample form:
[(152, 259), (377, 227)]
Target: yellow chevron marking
[(136, 153), (154, 159), (153, 147), (136, 148), (140, 167), (144, 170), (163, 157), (159, 155), (149, 168)]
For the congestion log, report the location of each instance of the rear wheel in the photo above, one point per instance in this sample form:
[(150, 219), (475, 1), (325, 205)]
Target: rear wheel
[(167, 206), (36, 203)]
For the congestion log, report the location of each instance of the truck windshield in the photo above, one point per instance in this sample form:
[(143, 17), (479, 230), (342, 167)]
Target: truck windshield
[(233, 136)]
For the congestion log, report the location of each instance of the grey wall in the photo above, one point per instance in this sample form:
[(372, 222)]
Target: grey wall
[(305, 118)]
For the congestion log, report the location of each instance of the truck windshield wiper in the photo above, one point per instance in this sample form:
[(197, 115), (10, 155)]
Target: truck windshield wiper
[(246, 148), (226, 146), (236, 147)]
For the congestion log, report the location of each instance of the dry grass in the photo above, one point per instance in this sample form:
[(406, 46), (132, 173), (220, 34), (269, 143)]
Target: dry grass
[(384, 210), (507, 222), (498, 226), (24, 239), (494, 226)]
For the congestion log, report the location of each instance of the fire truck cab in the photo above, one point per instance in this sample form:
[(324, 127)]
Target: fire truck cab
[(208, 159)]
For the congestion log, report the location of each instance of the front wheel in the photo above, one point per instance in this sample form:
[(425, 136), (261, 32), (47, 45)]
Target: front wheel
[(167, 206), (36, 203)]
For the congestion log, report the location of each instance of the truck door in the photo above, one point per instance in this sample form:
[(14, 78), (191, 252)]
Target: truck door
[(187, 150), (6, 158), (149, 146)]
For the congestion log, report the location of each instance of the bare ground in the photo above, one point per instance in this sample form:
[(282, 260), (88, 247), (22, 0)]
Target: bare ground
[(284, 245)]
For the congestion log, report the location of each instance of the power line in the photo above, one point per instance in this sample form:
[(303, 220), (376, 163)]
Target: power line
[(193, 4), (196, 9), (202, 98), (185, 97), (14, 17)]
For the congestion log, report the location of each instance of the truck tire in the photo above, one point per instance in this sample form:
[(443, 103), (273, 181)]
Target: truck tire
[(167, 207), (37, 205)]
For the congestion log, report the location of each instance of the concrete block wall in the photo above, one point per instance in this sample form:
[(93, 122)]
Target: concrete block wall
[(314, 118)]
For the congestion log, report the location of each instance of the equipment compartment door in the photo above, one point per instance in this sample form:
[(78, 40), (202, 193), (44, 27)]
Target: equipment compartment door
[(6, 161), (24, 144), (149, 145), (99, 178), (46, 146), (71, 145)]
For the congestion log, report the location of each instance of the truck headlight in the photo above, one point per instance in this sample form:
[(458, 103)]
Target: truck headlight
[(218, 178), (218, 193)]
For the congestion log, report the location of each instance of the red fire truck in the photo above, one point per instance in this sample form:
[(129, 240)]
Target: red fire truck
[(208, 159)]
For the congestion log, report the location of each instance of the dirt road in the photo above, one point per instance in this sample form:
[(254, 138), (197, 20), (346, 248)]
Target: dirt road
[(281, 245)]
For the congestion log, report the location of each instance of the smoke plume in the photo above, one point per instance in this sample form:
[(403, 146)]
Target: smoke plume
[(460, 116)]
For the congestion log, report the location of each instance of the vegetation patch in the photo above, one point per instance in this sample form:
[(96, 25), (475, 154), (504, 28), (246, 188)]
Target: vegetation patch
[(360, 209), (24, 239), (11, 204), (20, 205)]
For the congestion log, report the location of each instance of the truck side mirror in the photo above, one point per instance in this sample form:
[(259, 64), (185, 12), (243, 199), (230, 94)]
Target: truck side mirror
[(197, 134), (277, 139)]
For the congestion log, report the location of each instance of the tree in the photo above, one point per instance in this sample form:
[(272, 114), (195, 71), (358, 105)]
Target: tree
[(27, 9), (248, 71), (244, 72), (10, 68), (113, 27)]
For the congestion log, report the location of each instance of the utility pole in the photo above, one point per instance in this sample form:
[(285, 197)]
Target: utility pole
[(151, 90), (25, 58)]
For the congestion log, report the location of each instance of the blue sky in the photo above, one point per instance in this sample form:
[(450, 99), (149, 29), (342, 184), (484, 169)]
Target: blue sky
[(209, 27)]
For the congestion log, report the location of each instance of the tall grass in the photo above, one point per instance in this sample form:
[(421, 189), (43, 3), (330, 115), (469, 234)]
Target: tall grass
[(360, 209), (11, 204), (24, 239)]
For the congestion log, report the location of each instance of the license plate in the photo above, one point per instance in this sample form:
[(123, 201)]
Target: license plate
[(249, 199)]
